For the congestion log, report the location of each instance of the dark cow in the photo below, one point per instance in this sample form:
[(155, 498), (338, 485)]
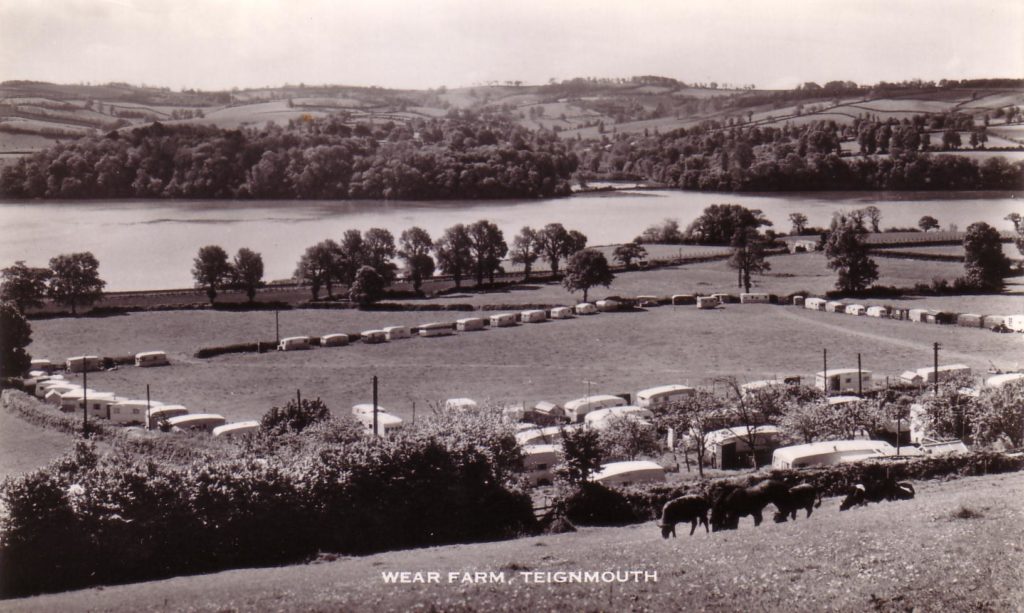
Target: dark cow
[(735, 502), (691, 509), (803, 496), (863, 493)]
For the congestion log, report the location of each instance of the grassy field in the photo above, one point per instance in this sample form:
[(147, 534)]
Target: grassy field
[(25, 446), (955, 547), (621, 352)]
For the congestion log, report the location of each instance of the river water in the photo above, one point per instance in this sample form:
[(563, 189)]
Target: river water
[(150, 244)]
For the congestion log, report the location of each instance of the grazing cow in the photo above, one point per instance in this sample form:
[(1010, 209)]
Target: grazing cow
[(737, 501), (683, 509), (903, 490), (803, 496), (888, 489)]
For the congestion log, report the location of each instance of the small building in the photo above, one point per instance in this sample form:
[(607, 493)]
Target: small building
[(602, 418), (629, 473), (151, 358), (877, 311), (576, 410), (729, 448), (237, 428), (1004, 379), (533, 316), (41, 364), (586, 308), (196, 422), (387, 423), (394, 333), (917, 315), (911, 377), (835, 306), (678, 299), (293, 343), (132, 411), (798, 300), (561, 313), (855, 309), (803, 245), (940, 317), (829, 453), (708, 302), (83, 363), (461, 404), (945, 372), (814, 304), (969, 320), (373, 337), (164, 412), (334, 340), (754, 298), (71, 400), (842, 380), (608, 306), (98, 404), (469, 324), (657, 397), (539, 462), (503, 320), (899, 313), (57, 385), (435, 329), (545, 413)]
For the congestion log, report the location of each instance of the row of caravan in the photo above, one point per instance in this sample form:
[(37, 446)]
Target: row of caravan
[(92, 363), (1013, 323), (539, 462), (578, 410)]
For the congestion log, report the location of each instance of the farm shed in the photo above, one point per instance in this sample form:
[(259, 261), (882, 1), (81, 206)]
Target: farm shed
[(945, 372), (435, 329), (1004, 379), (877, 311), (993, 321), (167, 411), (576, 410), (834, 306), (1015, 322), (602, 418), (607, 306), (469, 324), (394, 333), (754, 298), (236, 428), (585, 308), (829, 452), (629, 473), (561, 313), (131, 411), (656, 397), (969, 320), (41, 364), (533, 436), (460, 404), (855, 309), (197, 422), (83, 363), (798, 301), (539, 462), (503, 320), (842, 380), (918, 315), (684, 299), (293, 343), (151, 358), (729, 448), (814, 304), (708, 302), (334, 340), (533, 316), (373, 337)]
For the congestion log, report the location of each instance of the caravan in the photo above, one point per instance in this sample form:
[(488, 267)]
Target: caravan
[(151, 358)]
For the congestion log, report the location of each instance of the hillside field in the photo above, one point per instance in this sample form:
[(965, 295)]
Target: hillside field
[(956, 547)]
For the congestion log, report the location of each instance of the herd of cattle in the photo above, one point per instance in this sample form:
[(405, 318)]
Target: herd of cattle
[(728, 503)]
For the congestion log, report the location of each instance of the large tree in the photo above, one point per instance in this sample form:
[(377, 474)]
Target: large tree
[(525, 250), (353, 255), (984, 260), (748, 256), (76, 280), (368, 287), (320, 266), (799, 221), (586, 269), (847, 254), (999, 413), (928, 223), (1018, 227), (557, 243), (379, 247), (15, 335), (580, 454), (455, 253), (247, 272), (414, 247), (487, 243), (211, 270), (692, 418), (719, 223), (628, 252), (24, 286)]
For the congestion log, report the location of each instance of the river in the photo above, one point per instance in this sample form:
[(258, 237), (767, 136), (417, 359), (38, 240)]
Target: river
[(150, 244)]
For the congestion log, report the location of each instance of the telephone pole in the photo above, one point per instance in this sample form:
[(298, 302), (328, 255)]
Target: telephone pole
[(375, 406), (935, 372)]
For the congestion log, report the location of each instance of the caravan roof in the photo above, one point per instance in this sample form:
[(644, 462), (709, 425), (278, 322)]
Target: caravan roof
[(802, 455), (635, 471)]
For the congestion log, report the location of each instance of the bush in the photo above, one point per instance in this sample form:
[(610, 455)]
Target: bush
[(296, 416), (592, 504)]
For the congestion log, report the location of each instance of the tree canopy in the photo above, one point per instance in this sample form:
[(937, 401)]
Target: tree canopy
[(75, 280), (586, 269)]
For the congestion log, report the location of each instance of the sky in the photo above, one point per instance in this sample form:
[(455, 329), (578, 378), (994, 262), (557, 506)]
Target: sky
[(219, 44)]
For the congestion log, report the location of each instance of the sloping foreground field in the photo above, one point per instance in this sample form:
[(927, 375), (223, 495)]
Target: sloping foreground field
[(25, 446), (959, 546), (617, 352)]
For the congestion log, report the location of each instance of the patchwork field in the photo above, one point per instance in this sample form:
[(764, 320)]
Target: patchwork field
[(955, 547), (621, 352)]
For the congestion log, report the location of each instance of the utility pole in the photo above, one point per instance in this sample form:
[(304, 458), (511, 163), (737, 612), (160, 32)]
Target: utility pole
[(824, 360), (936, 348), (149, 426), (85, 398), (375, 405), (277, 328), (860, 379), (298, 398)]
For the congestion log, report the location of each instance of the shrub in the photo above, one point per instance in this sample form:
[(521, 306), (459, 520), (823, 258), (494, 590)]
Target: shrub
[(296, 416)]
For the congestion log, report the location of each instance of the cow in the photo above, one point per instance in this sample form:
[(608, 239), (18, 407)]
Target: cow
[(691, 509), (861, 494), (803, 496), (736, 501)]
